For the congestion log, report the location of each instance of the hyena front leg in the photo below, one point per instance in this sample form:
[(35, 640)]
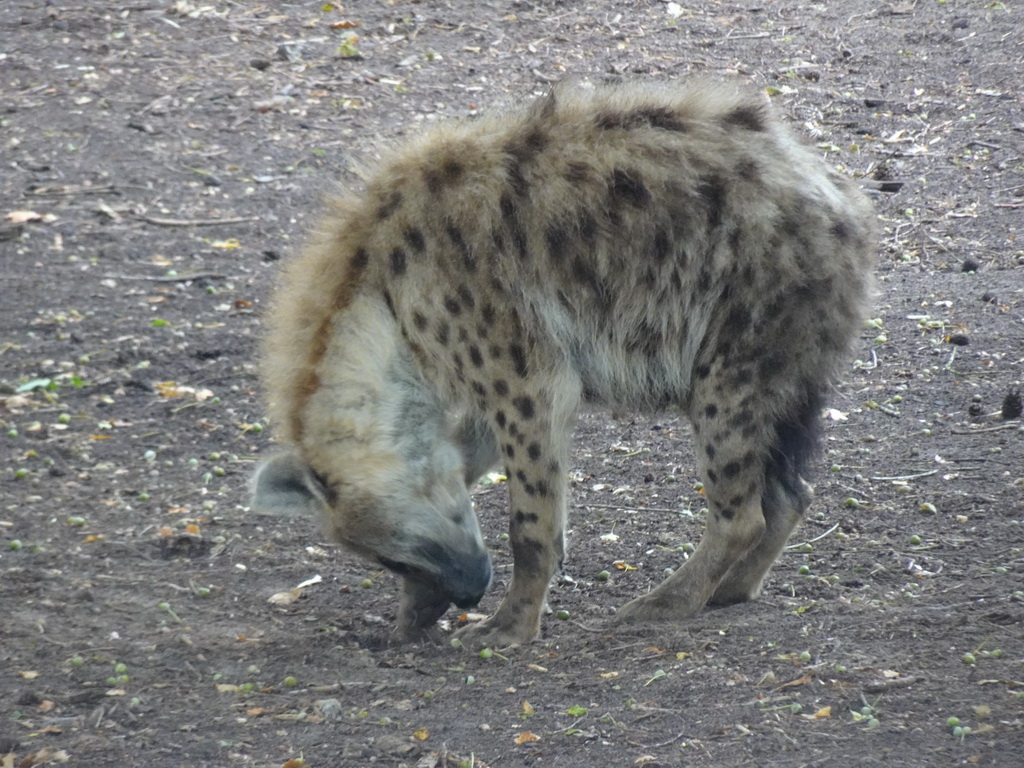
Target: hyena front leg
[(534, 446)]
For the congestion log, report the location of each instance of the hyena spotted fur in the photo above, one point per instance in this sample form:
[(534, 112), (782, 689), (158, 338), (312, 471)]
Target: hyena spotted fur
[(637, 246)]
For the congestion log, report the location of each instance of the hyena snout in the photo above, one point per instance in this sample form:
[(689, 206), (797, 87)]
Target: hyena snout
[(445, 573)]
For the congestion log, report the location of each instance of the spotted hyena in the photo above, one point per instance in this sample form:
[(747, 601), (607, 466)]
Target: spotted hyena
[(639, 246)]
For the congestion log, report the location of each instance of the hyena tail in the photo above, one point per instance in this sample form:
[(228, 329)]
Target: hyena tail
[(797, 443)]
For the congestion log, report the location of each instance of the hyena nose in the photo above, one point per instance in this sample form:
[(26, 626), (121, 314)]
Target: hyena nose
[(469, 580)]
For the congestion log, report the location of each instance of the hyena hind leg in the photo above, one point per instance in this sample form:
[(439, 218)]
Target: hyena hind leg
[(783, 507), (785, 497)]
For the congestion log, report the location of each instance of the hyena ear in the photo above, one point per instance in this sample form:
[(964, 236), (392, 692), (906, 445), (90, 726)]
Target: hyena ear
[(285, 484)]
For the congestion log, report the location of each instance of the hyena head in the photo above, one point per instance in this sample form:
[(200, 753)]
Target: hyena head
[(377, 456)]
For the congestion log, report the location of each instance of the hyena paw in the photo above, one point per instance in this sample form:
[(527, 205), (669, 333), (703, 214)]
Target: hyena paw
[(654, 608), (494, 633)]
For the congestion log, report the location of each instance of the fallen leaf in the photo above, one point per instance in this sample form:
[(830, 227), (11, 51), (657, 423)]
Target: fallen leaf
[(527, 708), (28, 674), (823, 712), (421, 734), (799, 681), (526, 736)]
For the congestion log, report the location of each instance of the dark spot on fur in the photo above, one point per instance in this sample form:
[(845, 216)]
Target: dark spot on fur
[(736, 500), (478, 388), (360, 259), (525, 517), (514, 224), (769, 366), (643, 117), (748, 116), (495, 351), (525, 406), (731, 469), (712, 476), (488, 314), (841, 231), (748, 170), (389, 206), (475, 357), (390, 303), (728, 513), (577, 173), (419, 321), (710, 411), (500, 419), (714, 191), (735, 240), (662, 245), (455, 235), (629, 188), (702, 371), (543, 489), (397, 259), (530, 489), (518, 360), (457, 360), (526, 554), (704, 280), (453, 306), (501, 388), (710, 451), (738, 321), (510, 450), (533, 451), (585, 274), (740, 419), (415, 239), (442, 334), (466, 296), (448, 174), (557, 239), (587, 226)]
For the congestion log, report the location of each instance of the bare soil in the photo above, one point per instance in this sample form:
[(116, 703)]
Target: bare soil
[(159, 158)]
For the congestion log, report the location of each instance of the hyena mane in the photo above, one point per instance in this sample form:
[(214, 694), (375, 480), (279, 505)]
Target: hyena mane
[(638, 246)]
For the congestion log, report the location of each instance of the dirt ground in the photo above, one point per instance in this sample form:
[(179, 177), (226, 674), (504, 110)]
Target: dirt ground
[(158, 160)]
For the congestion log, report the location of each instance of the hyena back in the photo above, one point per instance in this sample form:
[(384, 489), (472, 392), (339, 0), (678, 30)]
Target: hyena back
[(638, 246)]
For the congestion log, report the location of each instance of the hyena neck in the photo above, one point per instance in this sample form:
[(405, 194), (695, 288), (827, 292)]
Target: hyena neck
[(372, 409)]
